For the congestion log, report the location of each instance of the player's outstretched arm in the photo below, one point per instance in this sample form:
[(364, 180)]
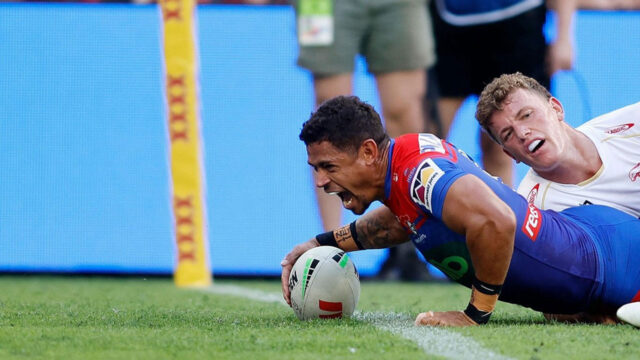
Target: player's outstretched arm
[(472, 209), (379, 229), (376, 229)]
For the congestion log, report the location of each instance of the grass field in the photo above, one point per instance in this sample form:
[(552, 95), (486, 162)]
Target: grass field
[(134, 318)]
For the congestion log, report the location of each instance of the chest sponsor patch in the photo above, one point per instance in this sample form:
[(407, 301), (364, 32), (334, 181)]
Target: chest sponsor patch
[(531, 198), (424, 181), (634, 173), (532, 222), (619, 128)]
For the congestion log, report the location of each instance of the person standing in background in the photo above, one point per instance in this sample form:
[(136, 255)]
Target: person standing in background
[(477, 41), (395, 38)]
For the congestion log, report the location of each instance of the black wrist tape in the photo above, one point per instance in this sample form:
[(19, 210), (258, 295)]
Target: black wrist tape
[(327, 239), (479, 316), (485, 288), (354, 235)]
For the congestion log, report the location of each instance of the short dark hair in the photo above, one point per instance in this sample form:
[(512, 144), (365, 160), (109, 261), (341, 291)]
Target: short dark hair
[(345, 122), (493, 96)]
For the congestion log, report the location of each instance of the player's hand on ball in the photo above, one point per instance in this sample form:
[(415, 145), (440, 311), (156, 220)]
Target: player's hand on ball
[(444, 318), (288, 262)]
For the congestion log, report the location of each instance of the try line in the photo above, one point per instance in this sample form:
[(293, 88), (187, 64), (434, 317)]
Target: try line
[(433, 341)]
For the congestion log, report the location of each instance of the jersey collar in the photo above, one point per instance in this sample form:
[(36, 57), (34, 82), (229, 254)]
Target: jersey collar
[(387, 179)]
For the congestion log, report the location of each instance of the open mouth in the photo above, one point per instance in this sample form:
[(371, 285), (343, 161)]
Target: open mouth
[(346, 197), (535, 145)]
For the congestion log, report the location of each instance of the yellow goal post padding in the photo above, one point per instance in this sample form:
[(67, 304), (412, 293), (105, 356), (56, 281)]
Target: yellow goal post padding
[(185, 142)]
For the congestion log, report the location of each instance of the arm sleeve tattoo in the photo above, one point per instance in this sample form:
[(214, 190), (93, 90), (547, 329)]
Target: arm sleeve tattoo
[(380, 229)]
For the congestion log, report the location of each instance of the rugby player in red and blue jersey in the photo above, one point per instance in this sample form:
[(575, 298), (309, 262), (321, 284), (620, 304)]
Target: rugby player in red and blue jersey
[(478, 231)]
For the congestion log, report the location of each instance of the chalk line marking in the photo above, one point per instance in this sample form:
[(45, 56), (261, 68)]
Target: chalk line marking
[(432, 340)]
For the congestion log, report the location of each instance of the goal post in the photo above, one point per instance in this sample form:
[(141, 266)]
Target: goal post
[(182, 109)]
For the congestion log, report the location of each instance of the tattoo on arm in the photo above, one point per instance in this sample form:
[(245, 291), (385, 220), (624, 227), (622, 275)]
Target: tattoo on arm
[(345, 239), (380, 232)]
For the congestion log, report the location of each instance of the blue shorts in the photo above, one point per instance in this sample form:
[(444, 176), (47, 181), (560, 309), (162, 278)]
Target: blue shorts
[(616, 236)]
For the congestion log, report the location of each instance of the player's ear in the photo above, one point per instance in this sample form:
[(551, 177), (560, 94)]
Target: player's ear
[(557, 107), (368, 151), (509, 154)]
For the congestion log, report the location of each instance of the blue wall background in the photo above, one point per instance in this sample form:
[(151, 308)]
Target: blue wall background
[(84, 177)]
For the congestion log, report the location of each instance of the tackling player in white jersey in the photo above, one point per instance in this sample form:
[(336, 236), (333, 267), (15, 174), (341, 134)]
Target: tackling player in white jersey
[(616, 136), (596, 163)]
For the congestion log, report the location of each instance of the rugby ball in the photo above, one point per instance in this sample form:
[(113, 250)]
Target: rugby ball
[(630, 313), (324, 284)]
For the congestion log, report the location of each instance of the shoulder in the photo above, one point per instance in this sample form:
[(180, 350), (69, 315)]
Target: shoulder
[(530, 186), (620, 122), (422, 142), (411, 149), (431, 174)]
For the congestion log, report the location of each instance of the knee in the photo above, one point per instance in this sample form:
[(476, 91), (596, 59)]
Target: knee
[(406, 116)]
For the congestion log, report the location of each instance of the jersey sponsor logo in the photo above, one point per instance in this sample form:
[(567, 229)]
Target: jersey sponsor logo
[(409, 174), (533, 222), (430, 143), (405, 220), (454, 266), (418, 238), (531, 198), (619, 128), (412, 226), (452, 258), (424, 182), (634, 173)]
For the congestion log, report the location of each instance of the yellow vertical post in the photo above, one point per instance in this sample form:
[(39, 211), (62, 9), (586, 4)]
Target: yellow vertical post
[(183, 120)]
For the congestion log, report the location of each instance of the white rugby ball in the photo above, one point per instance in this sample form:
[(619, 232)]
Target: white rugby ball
[(324, 283), (630, 313)]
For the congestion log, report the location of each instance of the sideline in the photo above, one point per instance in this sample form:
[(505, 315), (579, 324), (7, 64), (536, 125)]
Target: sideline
[(433, 341)]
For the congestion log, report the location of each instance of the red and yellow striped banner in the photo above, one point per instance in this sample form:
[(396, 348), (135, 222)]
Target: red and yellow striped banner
[(183, 118)]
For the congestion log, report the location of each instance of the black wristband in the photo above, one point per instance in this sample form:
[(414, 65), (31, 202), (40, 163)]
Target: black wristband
[(479, 316), (354, 235), (485, 288), (327, 239)]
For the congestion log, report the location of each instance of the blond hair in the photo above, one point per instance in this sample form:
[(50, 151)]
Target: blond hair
[(493, 96)]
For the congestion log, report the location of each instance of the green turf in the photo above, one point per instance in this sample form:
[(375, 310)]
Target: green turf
[(116, 318)]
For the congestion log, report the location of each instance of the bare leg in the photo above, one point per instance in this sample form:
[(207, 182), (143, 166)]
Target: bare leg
[(447, 108), (401, 95), (495, 161), (325, 88), (430, 105)]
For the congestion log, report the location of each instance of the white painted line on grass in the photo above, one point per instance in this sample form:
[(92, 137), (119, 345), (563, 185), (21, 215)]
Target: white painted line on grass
[(248, 293), (432, 340)]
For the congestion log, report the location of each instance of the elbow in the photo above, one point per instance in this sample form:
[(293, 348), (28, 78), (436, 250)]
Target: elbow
[(504, 225), (496, 231)]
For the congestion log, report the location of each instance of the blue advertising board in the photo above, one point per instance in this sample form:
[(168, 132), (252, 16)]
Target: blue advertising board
[(84, 171)]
